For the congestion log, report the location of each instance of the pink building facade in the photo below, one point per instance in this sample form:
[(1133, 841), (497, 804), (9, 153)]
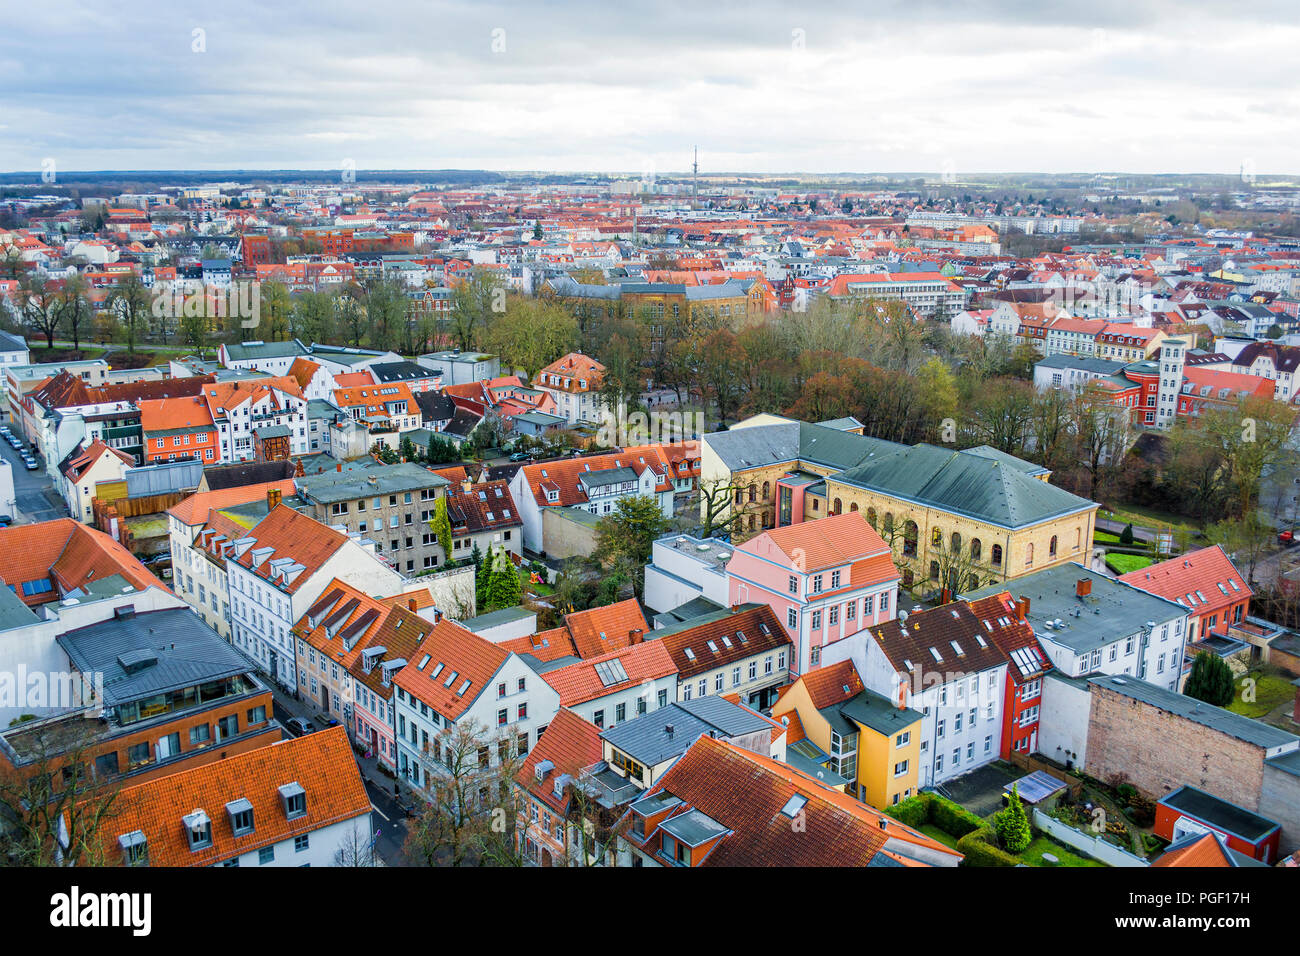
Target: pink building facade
[(827, 581)]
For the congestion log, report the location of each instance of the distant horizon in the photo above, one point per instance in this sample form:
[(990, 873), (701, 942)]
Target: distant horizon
[(967, 88)]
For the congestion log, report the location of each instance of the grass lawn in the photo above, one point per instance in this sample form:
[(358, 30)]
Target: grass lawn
[(41, 355), (1270, 691), (947, 839), (539, 589), (1033, 855), (1151, 518), (1124, 563), (1105, 537)]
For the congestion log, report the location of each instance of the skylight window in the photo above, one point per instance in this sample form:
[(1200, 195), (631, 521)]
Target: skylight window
[(794, 806), (690, 654), (423, 662), (934, 652), (451, 679), (463, 687), (437, 670)]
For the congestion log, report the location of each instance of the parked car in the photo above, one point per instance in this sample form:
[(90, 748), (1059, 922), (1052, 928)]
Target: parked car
[(31, 465), (1286, 538), (520, 456), (6, 520), (299, 727)]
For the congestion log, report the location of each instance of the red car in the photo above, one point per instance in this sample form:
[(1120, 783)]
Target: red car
[(1286, 538)]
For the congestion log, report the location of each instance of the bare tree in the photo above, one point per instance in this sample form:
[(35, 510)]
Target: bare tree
[(471, 810), (356, 851), (53, 808)]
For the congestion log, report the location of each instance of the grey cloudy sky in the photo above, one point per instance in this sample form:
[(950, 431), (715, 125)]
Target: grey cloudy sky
[(765, 87)]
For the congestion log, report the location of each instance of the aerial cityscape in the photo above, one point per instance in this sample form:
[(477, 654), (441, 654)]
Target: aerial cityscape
[(470, 483)]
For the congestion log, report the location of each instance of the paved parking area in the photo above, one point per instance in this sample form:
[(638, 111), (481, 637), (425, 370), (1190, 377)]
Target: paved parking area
[(980, 791)]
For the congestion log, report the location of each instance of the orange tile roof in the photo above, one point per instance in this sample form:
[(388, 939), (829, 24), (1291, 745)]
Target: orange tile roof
[(223, 396), (746, 793), (461, 652), (830, 542), (602, 629), (194, 509), (563, 476), (572, 745), (291, 535), (580, 682), (1205, 850), (303, 370), (68, 552), (167, 414), (321, 763), (78, 466), (826, 685)]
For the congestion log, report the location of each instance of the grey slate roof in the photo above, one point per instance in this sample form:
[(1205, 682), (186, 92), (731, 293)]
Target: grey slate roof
[(385, 372), (646, 740), (187, 652), (1215, 718), (1113, 611), (333, 486), (985, 489), (788, 441)]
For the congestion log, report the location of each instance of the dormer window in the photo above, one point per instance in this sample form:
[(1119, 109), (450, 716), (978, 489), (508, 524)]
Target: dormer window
[(198, 830), (241, 816), (294, 799), (135, 848)]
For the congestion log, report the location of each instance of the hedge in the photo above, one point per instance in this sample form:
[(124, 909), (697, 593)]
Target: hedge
[(927, 807), (978, 848)]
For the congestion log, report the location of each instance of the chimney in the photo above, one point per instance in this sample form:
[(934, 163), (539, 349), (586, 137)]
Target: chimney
[(635, 636), (1022, 608), (410, 603), (1083, 587), (339, 466), (273, 496), (669, 731), (735, 608), (467, 486)]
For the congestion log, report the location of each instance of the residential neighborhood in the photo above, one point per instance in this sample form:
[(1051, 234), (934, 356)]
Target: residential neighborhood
[(587, 471)]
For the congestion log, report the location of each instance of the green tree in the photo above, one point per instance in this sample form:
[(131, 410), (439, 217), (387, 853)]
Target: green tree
[(441, 526), (1126, 536), (131, 301), (474, 304), (1211, 680), (1012, 824), (624, 537), (503, 588)]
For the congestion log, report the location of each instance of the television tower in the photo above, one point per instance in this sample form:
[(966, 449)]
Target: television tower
[(695, 185)]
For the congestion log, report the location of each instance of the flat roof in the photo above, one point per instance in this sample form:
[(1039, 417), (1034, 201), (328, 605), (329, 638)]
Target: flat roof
[(1220, 814)]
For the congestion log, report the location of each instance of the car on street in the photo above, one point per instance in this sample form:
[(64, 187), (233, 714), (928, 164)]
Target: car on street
[(31, 465), (520, 456), (299, 727), (6, 520)]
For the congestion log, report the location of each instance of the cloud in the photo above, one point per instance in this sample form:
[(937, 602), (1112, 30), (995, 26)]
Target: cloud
[(766, 87)]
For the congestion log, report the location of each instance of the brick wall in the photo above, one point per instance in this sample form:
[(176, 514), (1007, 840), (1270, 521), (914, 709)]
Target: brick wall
[(1159, 752)]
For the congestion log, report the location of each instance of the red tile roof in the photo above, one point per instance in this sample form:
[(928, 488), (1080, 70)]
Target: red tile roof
[(1202, 581), (580, 682), (830, 542), (291, 535), (194, 509), (321, 763)]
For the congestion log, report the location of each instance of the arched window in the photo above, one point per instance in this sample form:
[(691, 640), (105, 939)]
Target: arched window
[(888, 526), (853, 507), (739, 496), (839, 507), (1051, 547), (767, 519), (767, 490), (995, 556), (976, 549), (1078, 538), (934, 570), (956, 543), (753, 492), (910, 532), (751, 522), (1029, 554), (872, 518), (936, 538)]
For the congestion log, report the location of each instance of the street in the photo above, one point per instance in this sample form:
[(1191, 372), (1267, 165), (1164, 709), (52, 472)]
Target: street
[(33, 489), (387, 820)]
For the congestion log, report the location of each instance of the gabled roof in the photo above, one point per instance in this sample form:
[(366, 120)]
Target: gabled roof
[(1207, 849), (486, 506), (571, 745), (1201, 580), (463, 654), (610, 673), (194, 510), (290, 534), (830, 542), (924, 642), (718, 639), (321, 764), (70, 554), (81, 463), (752, 800)]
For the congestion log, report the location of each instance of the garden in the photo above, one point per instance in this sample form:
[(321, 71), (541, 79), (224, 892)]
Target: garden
[(1005, 838)]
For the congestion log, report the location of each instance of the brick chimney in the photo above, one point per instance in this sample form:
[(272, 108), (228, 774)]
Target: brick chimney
[(634, 637), (1022, 608), (410, 603), (1083, 587), (273, 496), (339, 466)]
